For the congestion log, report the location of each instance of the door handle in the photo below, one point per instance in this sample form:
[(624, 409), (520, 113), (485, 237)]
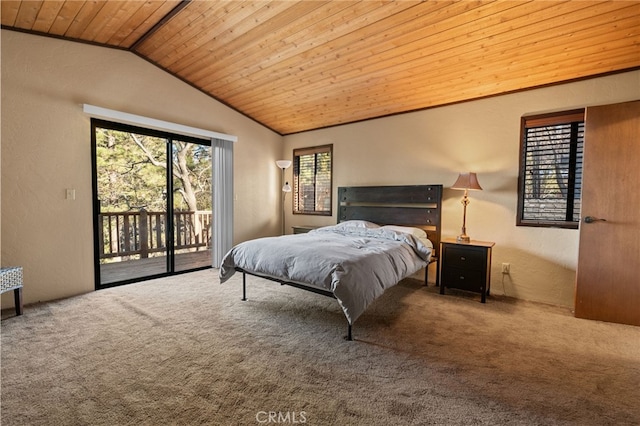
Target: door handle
[(591, 219)]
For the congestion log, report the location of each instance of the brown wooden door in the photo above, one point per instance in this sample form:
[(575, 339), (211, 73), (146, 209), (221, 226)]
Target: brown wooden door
[(608, 277)]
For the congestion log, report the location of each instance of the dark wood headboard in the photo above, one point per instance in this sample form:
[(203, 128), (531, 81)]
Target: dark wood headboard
[(419, 206)]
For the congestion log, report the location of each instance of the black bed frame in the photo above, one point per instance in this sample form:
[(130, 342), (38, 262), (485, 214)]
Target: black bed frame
[(419, 206)]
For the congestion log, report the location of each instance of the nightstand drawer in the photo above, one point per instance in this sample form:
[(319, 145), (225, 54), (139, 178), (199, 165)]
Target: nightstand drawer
[(463, 279), (466, 257)]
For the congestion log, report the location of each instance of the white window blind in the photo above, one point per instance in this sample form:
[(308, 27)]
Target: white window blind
[(222, 199)]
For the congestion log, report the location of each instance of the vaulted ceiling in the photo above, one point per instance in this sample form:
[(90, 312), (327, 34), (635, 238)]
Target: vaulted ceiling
[(300, 65)]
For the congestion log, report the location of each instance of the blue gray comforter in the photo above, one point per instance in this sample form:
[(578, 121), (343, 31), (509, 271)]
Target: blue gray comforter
[(356, 264)]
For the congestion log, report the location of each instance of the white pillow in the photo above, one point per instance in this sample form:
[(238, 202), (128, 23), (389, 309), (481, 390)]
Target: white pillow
[(357, 224), (416, 232), (426, 242)]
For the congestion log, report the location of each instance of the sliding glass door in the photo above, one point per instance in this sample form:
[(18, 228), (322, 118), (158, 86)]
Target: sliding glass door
[(152, 208), (192, 205)]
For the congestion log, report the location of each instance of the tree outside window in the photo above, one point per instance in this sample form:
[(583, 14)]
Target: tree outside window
[(550, 180), (312, 180)]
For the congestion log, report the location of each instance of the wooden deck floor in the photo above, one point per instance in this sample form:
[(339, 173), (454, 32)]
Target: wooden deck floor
[(139, 268)]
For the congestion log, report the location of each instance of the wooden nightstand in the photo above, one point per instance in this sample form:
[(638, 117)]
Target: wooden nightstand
[(303, 229), (466, 266)]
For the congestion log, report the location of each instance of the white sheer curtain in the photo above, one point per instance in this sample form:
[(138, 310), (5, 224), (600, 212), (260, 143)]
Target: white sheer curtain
[(222, 199)]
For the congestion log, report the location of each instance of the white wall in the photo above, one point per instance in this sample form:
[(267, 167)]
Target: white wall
[(434, 145), (46, 148)]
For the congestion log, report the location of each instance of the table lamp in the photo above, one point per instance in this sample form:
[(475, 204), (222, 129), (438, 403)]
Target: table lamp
[(466, 181)]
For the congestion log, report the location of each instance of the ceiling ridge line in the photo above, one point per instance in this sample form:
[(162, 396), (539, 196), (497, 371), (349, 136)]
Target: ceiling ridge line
[(159, 24)]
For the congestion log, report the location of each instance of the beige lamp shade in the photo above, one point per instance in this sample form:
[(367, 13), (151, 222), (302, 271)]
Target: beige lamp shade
[(467, 181)]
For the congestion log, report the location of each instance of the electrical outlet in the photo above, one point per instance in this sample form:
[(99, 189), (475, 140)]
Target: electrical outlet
[(506, 268)]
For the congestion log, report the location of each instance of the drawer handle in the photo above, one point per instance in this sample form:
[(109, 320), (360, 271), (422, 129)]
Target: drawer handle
[(461, 278), (463, 258)]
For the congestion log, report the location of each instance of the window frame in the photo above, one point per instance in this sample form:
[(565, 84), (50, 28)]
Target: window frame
[(573, 117), (315, 150)]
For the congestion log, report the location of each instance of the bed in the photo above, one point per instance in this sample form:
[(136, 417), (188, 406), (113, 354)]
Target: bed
[(383, 235)]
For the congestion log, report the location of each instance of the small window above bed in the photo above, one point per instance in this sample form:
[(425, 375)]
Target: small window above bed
[(312, 180)]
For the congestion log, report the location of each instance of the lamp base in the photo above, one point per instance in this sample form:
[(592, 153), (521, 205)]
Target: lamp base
[(463, 239)]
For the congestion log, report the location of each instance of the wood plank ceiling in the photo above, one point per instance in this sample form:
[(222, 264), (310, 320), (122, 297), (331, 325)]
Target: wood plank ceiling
[(300, 65)]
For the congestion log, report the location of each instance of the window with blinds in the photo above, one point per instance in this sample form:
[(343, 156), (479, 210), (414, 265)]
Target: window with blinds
[(312, 186), (550, 180)]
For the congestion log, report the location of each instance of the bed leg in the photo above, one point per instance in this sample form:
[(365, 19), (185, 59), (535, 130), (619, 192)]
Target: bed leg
[(244, 286), (349, 335)]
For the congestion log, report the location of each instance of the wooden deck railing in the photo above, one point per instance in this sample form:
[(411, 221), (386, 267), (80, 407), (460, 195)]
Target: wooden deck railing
[(142, 233)]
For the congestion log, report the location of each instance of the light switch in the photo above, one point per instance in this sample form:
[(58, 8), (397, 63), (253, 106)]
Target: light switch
[(71, 194)]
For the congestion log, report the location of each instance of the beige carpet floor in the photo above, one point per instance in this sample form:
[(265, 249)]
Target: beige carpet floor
[(186, 350)]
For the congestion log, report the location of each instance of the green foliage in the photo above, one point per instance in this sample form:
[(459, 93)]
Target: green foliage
[(132, 173)]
